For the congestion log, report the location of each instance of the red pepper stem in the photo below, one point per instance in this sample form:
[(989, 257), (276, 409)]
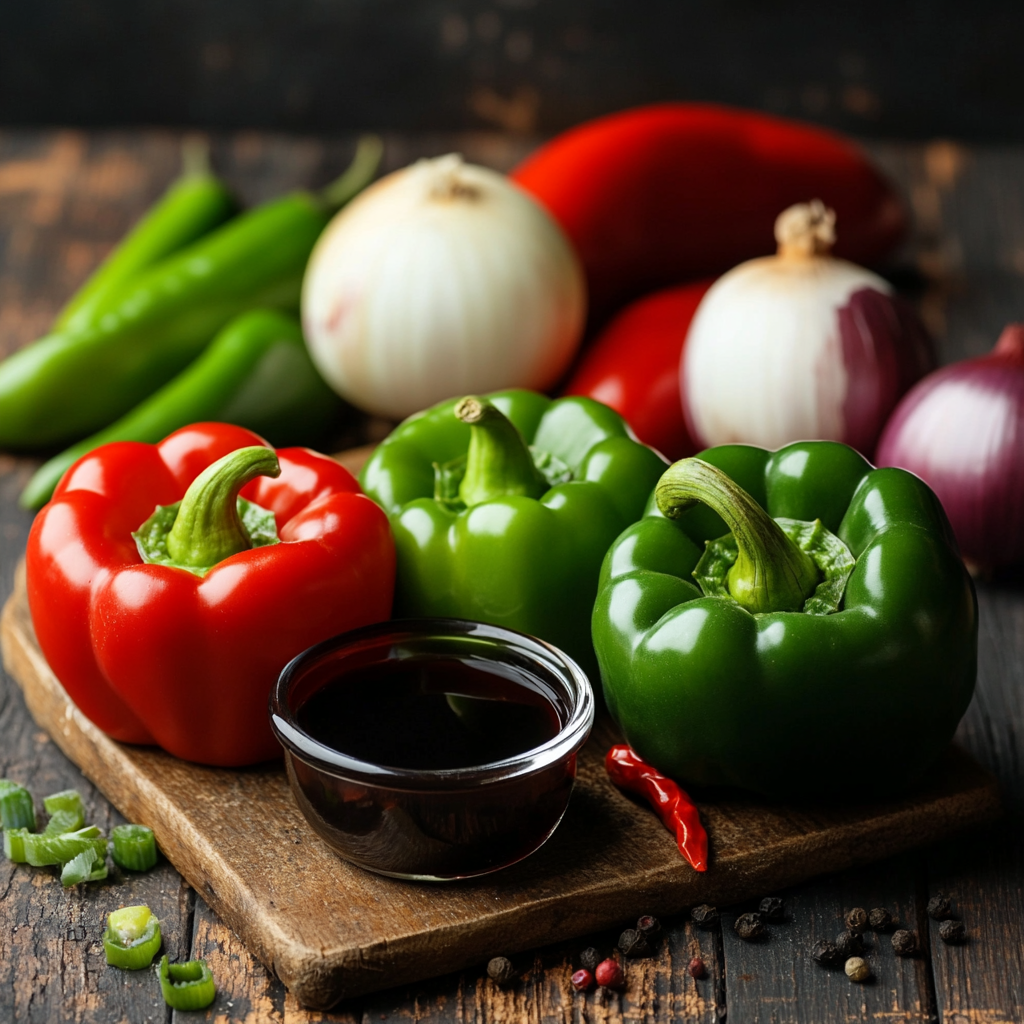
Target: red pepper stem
[(207, 528), (499, 463), (770, 574)]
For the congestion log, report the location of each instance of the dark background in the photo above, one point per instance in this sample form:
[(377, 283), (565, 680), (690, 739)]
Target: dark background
[(898, 69)]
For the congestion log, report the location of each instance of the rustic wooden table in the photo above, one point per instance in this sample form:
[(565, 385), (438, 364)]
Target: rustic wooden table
[(66, 197)]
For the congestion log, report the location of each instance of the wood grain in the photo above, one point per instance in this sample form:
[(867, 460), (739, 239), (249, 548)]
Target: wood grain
[(330, 930)]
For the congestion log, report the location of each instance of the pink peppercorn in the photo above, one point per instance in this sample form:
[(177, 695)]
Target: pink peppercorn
[(696, 968), (582, 980), (609, 974)]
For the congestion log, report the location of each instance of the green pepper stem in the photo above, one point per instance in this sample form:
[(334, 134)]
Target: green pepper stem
[(771, 574), (207, 528), (499, 463), (360, 173)]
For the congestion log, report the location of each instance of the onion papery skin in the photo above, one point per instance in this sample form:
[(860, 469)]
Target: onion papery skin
[(785, 350), (961, 430), (414, 295)]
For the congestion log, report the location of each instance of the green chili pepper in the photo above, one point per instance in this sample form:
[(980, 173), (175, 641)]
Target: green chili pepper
[(72, 383), (193, 206), (132, 938), (16, 807), (187, 986), (133, 847), (256, 373)]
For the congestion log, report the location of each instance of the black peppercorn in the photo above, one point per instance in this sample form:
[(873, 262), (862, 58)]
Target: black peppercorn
[(849, 944), (880, 919), (704, 916), (952, 931), (590, 958), (939, 908), (857, 920), (826, 954), (632, 943), (500, 970), (750, 927), (771, 909), (648, 926), (904, 943)]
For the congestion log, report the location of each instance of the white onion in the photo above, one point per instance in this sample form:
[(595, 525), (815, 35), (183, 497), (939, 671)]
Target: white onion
[(441, 279), (799, 346)]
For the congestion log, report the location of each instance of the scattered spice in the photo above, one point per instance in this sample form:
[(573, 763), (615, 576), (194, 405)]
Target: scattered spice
[(826, 954), (500, 970), (952, 931), (648, 926), (772, 909), (880, 919), (857, 920), (590, 958), (696, 968), (904, 943), (857, 969), (632, 943), (750, 927), (849, 944), (609, 974), (940, 908), (704, 916), (582, 980)]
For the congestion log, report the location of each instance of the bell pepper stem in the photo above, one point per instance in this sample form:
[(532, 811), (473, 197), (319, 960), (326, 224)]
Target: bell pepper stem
[(499, 463), (771, 574), (207, 528)]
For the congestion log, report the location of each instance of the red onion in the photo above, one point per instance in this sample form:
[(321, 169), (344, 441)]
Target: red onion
[(961, 430)]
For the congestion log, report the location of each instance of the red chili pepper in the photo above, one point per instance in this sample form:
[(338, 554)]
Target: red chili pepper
[(660, 194), (633, 366), (153, 653), (675, 808)]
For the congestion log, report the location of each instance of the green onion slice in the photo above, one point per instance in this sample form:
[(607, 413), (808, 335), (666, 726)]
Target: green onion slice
[(16, 807), (42, 849), (187, 986), (133, 847), (14, 844), (132, 938), (63, 821), (66, 800)]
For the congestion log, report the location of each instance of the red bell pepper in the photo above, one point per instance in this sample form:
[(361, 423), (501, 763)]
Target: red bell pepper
[(660, 194), (633, 366), (185, 654)]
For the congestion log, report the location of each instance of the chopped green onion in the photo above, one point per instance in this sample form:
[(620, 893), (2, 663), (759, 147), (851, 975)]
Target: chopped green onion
[(88, 866), (42, 849), (187, 986), (63, 821), (65, 800), (133, 847), (16, 807), (132, 938), (14, 844)]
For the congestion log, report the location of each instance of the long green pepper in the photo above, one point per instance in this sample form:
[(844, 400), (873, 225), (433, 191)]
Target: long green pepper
[(76, 381)]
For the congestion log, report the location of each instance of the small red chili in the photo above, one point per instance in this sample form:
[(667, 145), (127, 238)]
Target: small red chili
[(675, 808)]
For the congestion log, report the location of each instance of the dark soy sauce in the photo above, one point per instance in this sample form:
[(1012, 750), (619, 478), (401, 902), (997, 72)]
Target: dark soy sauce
[(430, 714)]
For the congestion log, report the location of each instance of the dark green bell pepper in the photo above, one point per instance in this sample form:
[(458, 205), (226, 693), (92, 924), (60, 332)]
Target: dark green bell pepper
[(489, 529), (818, 667)]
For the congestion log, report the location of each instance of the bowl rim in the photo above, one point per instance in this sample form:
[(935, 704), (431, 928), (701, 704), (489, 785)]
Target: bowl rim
[(576, 688)]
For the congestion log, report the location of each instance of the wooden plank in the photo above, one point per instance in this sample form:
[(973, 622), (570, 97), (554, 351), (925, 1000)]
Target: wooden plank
[(330, 930)]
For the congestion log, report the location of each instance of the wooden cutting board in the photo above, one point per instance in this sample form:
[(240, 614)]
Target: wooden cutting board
[(330, 930)]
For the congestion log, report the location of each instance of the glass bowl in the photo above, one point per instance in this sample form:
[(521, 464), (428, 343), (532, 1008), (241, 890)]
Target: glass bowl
[(434, 824)]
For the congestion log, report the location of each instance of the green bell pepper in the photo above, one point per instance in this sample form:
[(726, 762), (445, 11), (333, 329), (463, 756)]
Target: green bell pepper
[(831, 645), (487, 528)]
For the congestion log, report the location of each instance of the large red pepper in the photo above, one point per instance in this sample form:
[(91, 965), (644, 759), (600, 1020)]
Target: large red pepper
[(154, 653), (659, 194), (633, 366)]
